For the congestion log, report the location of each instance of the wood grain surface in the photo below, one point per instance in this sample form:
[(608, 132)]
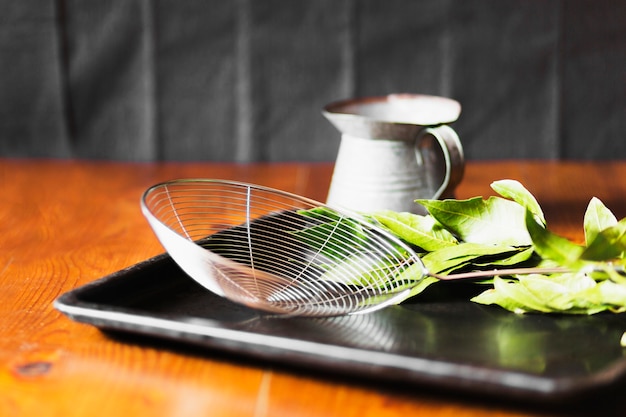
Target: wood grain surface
[(66, 223)]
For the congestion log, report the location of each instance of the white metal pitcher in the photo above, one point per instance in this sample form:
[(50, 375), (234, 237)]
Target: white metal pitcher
[(394, 150)]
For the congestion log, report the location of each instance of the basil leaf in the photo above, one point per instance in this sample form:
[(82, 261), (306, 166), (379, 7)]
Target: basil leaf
[(494, 221), (420, 287), (559, 292), (597, 218), (569, 293), (610, 271), (607, 244), (332, 234), (361, 270), (612, 294), (455, 257), (551, 246), (421, 231), (500, 298), (516, 297), (515, 191), (415, 274), (516, 258)]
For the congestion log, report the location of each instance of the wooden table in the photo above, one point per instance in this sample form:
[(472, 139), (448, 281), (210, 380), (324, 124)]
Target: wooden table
[(64, 224)]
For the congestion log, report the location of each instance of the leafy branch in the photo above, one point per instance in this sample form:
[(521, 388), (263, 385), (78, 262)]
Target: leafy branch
[(510, 231), (504, 240)]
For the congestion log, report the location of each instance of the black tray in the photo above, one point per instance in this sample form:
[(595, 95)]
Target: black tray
[(439, 339)]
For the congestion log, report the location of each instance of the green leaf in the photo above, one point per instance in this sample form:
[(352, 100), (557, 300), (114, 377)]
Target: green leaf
[(421, 231), (494, 297), (521, 255), (551, 246), (361, 270), (513, 296), (515, 191), (614, 271), (324, 214), (495, 221), (557, 293), (607, 244), (454, 257), (333, 233), (414, 275), (597, 218), (612, 294)]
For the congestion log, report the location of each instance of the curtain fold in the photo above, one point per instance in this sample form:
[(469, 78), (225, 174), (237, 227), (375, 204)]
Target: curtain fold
[(593, 79), (110, 94), (32, 111), (195, 63)]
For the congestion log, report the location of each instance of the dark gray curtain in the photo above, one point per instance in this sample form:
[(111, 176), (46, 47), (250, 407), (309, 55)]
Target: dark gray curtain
[(245, 80)]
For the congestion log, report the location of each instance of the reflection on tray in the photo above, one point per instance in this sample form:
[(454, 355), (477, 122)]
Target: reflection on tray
[(445, 326)]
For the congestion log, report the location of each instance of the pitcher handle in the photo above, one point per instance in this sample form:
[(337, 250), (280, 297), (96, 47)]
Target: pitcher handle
[(453, 155)]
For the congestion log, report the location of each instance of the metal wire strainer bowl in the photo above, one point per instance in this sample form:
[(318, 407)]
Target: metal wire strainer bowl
[(276, 251)]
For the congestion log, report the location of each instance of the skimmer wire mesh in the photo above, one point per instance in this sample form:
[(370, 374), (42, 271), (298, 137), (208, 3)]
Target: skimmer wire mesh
[(276, 251)]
